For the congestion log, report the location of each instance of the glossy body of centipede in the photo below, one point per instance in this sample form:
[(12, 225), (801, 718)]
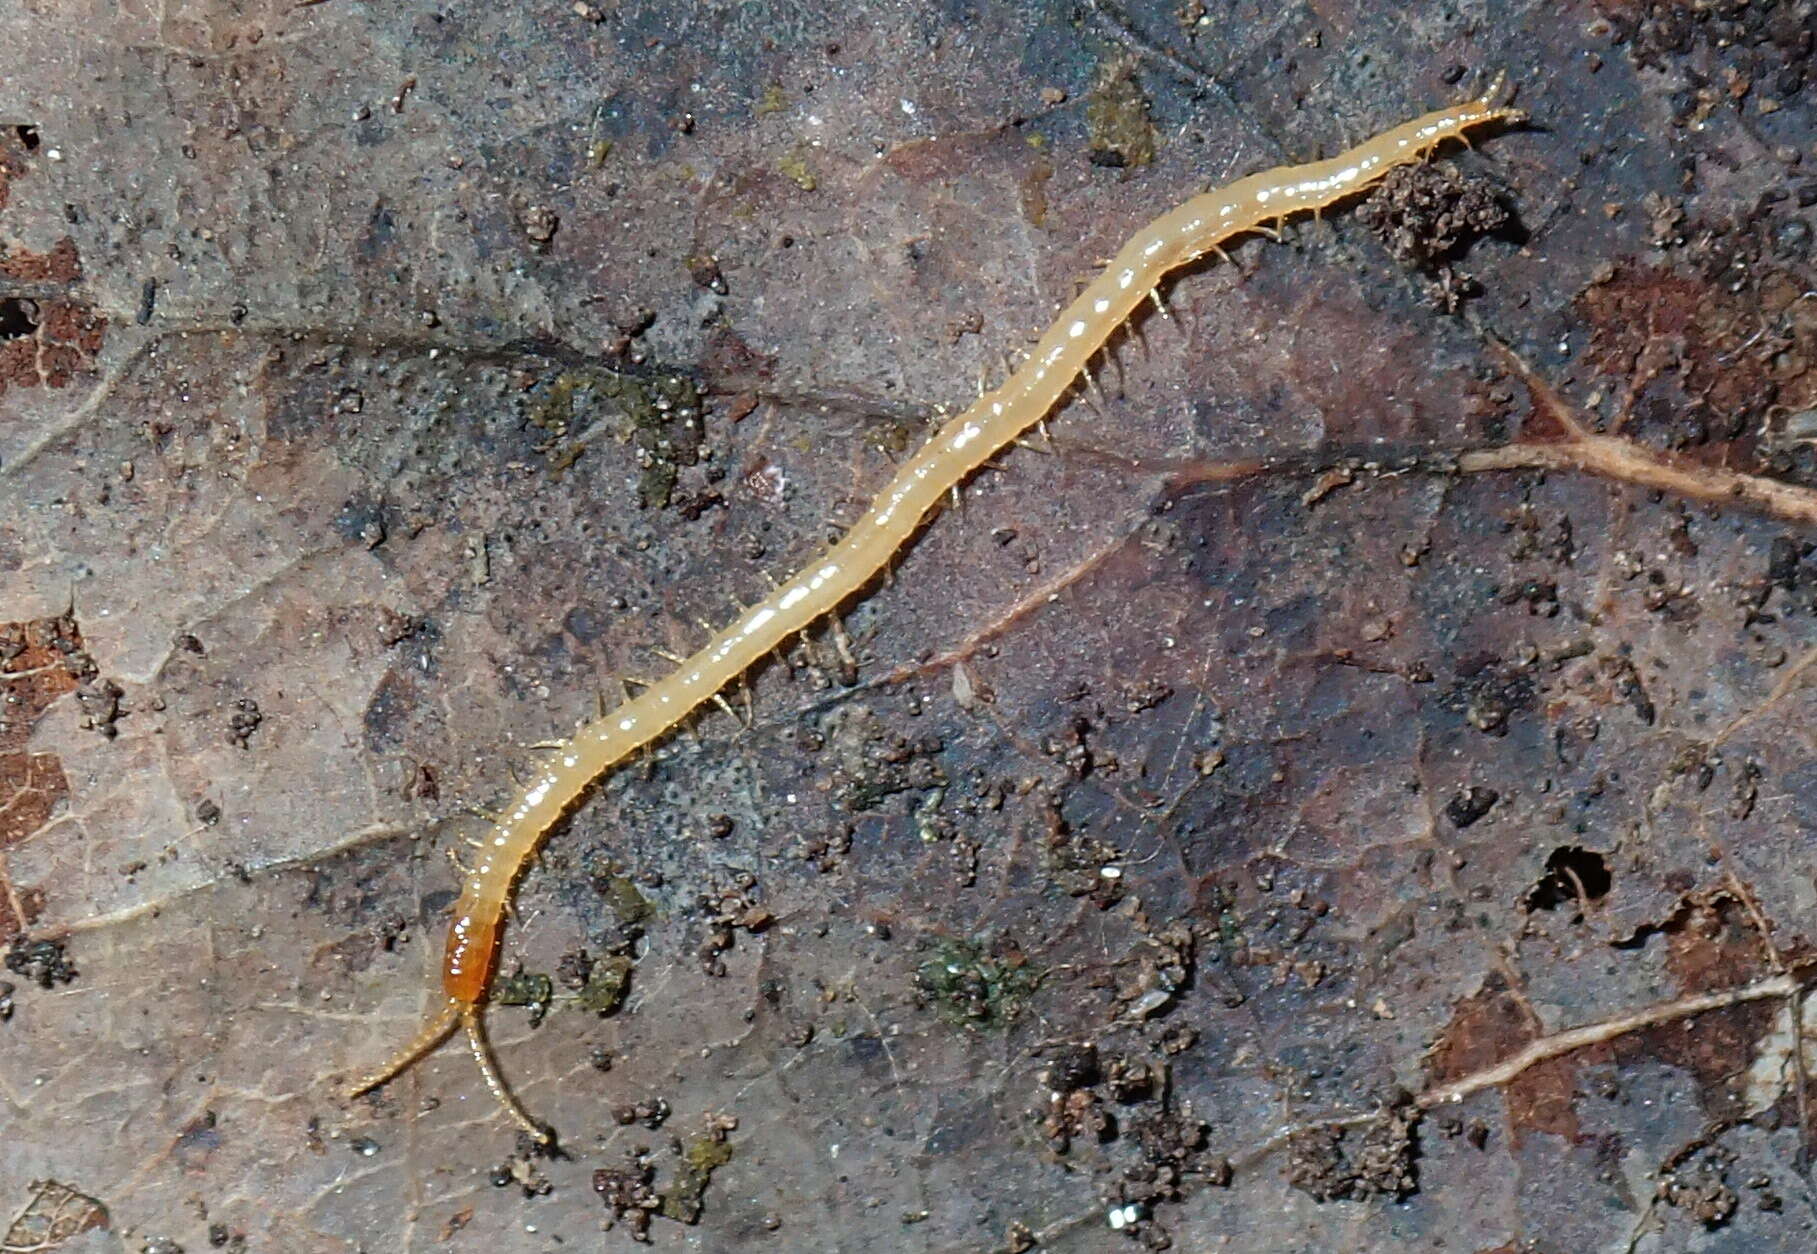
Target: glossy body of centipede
[(1059, 360)]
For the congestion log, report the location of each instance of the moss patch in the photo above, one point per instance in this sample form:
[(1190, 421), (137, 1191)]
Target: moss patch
[(968, 987), (1116, 115), (658, 416), (699, 1160), (605, 988)]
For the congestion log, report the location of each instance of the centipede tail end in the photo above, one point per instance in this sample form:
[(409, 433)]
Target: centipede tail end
[(1499, 96), (475, 1028), (434, 1033)]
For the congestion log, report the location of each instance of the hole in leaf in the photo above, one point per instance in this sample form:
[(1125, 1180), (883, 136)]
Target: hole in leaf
[(1574, 876), (18, 317)]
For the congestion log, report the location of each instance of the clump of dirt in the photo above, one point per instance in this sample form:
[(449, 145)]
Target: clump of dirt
[(1330, 1162), (1428, 215)]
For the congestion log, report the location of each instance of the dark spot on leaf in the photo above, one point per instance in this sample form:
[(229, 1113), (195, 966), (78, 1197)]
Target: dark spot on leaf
[(1469, 805)]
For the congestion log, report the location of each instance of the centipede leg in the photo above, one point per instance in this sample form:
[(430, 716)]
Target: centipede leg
[(434, 1033), (469, 1013), (842, 644), (1122, 379), (1091, 387), (1134, 331)]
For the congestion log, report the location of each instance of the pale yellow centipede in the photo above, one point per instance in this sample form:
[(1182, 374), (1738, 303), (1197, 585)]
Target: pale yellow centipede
[(1056, 364)]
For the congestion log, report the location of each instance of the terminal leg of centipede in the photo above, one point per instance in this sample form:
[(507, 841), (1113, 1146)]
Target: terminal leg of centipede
[(434, 1032)]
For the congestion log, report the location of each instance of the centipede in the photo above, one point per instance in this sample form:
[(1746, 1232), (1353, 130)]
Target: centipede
[(1058, 363)]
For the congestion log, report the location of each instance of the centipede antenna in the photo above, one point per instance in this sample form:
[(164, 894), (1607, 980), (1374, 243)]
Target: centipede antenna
[(433, 1033), (482, 1054), (460, 871)]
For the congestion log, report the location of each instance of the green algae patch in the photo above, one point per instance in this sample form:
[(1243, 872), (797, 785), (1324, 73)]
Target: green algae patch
[(657, 416)]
